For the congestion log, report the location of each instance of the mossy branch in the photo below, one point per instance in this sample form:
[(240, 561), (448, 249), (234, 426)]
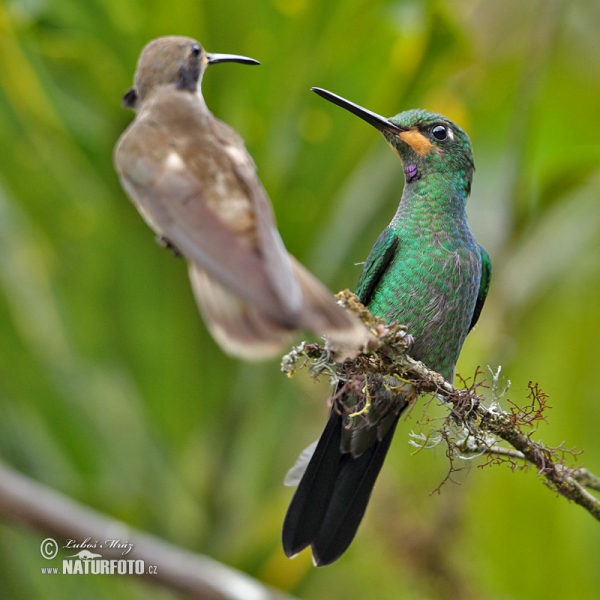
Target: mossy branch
[(482, 423)]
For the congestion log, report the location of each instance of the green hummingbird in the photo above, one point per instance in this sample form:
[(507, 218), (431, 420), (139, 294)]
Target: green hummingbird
[(426, 271), (193, 181)]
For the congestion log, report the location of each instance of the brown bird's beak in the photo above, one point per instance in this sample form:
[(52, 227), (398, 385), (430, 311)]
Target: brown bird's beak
[(379, 122), (213, 59)]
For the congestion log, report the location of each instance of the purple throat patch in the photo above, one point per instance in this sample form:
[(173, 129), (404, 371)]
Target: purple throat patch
[(412, 173)]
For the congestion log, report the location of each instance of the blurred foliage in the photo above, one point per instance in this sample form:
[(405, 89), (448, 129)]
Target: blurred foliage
[(111, 389)]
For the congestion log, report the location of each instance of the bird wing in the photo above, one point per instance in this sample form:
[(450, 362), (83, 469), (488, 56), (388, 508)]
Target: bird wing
[(382, 253), (172, 201), (276, 258), (298, 290), (484, 285)]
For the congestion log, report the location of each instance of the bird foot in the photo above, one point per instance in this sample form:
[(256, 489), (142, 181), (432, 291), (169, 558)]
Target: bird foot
[(365, 409), (407, 337), (163, 241)]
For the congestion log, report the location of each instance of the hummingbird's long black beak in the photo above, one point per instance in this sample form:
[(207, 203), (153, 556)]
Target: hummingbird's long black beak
[(213, 59), (379, 122)]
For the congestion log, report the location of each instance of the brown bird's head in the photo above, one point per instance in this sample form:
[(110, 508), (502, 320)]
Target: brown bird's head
[(174, 60)]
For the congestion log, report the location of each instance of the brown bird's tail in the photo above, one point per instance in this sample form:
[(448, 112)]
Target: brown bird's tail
[(244, 331), (240, 329), (346, 335)]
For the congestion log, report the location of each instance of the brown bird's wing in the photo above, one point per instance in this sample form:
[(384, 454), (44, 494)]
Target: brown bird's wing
[(172, 201), (276, 258), (319, 311)]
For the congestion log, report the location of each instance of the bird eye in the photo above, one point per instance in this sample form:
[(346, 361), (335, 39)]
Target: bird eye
[(196, 50), (439, 132)]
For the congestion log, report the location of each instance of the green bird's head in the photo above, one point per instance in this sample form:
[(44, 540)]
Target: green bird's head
[(426, 142)]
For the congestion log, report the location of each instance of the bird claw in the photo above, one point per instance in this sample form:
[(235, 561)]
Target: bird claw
[(165, 242), (407, 337)]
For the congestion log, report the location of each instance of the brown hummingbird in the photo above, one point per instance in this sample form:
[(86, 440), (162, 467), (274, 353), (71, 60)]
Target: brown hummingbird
[(193, 181)]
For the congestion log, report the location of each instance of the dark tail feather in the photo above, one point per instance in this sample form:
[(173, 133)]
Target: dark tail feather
[(348, 502), (310, 502)]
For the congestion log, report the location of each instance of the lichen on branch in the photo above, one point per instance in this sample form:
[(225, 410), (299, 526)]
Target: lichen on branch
[(474, 423)]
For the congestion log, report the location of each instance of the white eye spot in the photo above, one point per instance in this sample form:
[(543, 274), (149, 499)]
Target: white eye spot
[(237, 155), (450, 134), (174, 162)]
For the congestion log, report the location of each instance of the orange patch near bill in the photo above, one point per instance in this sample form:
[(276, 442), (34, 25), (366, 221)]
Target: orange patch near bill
[(417, 141)]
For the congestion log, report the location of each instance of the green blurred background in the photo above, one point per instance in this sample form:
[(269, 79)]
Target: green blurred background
[(112, 391)]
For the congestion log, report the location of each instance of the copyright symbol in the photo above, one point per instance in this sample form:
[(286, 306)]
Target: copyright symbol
[(49, 548)]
